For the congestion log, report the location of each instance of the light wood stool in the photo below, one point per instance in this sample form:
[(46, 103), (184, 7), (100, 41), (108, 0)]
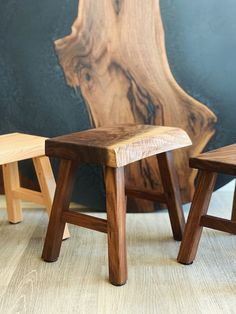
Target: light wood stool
[(222, 160), (15, 147), (114, 148)]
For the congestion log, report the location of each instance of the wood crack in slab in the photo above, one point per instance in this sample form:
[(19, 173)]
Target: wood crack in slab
[(117, 5)]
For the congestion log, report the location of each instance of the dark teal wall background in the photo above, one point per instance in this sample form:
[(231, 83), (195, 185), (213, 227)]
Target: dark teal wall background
[(201, 46)]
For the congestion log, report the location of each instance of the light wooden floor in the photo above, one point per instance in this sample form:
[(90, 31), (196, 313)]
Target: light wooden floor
[(77, 282)]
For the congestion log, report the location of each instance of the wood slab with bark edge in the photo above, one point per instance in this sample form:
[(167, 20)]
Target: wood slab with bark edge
[(116, 55)]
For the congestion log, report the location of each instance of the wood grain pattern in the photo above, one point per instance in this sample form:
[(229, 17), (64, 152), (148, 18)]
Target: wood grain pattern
[(117, 146), (221, 160), (119, 62), (85, 221), (233, 215), (116, 225), (28, 195), (61, 202), (47, 185), (46, 180), (146, 194), (18, 146), (172, 193), (218, 223), (11, 182), (193, 229)]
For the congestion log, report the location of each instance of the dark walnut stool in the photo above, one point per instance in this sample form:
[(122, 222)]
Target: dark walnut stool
[(222, 160), (113, 148)]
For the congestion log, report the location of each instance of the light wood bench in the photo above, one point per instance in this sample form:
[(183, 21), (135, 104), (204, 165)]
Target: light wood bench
[(113, 148), (15, 147)]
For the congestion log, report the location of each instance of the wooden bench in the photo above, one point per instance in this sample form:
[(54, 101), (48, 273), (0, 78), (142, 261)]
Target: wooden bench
[(222, 160), (113, 148), (15, 147)]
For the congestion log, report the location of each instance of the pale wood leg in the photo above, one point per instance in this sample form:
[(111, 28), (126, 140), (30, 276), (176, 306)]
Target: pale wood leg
[(11, 182), (193, 230), (116, 225), (233, 217), (47, 184), (172, 193), (61, 203)]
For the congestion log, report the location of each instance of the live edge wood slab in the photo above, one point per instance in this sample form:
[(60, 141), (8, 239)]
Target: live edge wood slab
[(114, 148), (116, 55)]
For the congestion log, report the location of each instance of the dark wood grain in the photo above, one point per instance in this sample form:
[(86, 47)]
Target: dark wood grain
[(233, 216), (193, 230), (85, 221), (116, 228), (117, 146), (172, 193), (61, 202), (217, 223), (120, 64), (221, 160), (146, 194)]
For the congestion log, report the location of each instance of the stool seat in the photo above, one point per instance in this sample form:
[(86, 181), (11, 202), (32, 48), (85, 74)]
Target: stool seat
[(117, 146), (18, 146), (221, 160)]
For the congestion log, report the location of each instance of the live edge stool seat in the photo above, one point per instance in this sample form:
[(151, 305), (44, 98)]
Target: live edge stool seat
[(15, 147), (114, 148), (222, 160)]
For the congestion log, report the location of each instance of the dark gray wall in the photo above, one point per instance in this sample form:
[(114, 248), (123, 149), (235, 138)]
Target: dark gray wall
[(33, 95), (34, 98), (201, 48)]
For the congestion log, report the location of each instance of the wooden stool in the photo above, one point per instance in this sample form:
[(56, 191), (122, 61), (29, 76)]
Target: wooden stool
[(114, 148), (222, 160), (13, 148)]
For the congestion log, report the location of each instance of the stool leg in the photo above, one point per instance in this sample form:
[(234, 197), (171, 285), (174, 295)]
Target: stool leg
[(116, 225), (47, 184), (11, 182), (193, 230), (233, 217), (61, 203), (171, 190)]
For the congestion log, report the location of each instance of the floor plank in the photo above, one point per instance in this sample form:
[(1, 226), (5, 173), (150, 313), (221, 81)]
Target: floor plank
[(78, 281)]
